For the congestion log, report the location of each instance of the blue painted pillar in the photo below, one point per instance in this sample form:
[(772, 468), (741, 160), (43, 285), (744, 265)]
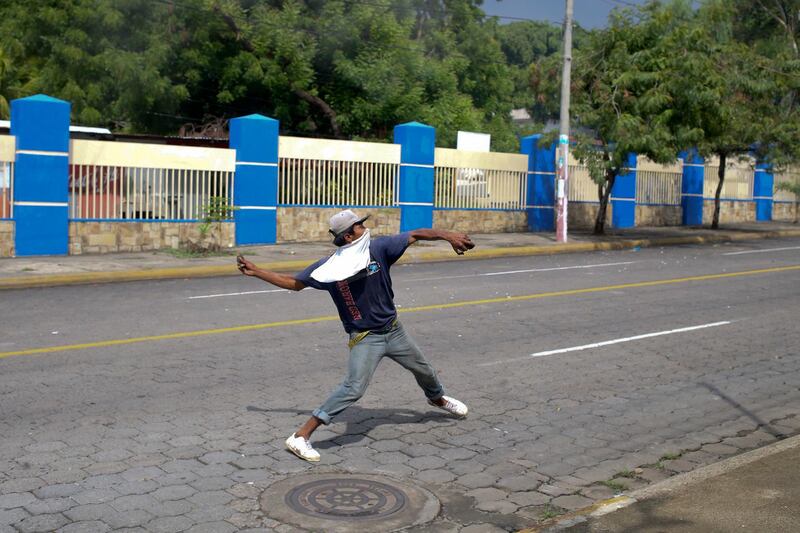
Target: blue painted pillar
[(692, 188), (540, 200), (255, 190), (41, 174), (417, 144), (763, 187), (623, 196)]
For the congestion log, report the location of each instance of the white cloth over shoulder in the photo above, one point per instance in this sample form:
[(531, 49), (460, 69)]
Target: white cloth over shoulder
[(345, 262)]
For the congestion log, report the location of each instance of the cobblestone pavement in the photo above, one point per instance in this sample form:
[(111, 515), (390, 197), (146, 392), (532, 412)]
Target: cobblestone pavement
[(186, 434)]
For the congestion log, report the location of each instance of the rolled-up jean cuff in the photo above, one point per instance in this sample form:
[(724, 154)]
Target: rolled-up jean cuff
[(322, 415), (436, 396)]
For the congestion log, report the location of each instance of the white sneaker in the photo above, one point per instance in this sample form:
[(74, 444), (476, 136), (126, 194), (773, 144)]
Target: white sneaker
[(452, 406), (302, 448)]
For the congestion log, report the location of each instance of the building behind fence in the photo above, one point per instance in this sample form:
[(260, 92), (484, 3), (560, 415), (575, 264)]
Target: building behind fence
[(60, 196)]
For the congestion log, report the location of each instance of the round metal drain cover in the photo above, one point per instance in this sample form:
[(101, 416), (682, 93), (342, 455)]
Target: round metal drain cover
[(346, 498), (348, 503)]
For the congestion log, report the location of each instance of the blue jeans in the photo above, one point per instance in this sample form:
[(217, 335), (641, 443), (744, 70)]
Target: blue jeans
[(364, 359)]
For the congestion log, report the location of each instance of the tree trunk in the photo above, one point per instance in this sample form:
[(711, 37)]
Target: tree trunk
[(721, 176), (604, 193)]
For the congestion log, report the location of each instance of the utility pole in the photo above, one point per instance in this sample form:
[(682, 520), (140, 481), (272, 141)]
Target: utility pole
[(562, 157)]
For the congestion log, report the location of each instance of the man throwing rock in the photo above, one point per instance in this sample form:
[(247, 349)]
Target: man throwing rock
[(357, 278)]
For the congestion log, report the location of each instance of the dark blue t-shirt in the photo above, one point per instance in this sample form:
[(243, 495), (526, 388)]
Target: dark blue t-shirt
[(365, 302)]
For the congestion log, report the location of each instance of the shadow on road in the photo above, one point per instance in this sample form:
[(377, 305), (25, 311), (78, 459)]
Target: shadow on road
[(360, 421), (752, 416), (644, 517)]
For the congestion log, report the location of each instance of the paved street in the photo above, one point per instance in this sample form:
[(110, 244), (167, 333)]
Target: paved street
[(586, 375)]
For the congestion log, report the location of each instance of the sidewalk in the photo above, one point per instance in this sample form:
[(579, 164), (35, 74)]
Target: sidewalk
[(754, 491), (43, 271)]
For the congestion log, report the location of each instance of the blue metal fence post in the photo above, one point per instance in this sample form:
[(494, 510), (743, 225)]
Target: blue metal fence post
[(416, 184), (763, 190), (692, 188), (623, 196), (41, 175), (255, 190), (540, 197)]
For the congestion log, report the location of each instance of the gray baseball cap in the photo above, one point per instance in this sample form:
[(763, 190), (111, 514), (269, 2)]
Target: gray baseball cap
[(343, 221)]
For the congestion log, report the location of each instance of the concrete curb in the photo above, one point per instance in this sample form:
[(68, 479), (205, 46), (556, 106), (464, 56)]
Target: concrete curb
[(81, 278), (666, 486)]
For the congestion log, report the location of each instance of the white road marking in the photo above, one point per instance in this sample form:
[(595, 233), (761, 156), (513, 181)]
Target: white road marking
[(763, 251), (524, 271), (607, 343), (234, 294)]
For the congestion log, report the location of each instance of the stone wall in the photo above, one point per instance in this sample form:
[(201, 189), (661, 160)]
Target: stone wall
[(730, 212), (582, 215), (109, 237), (6, 238), (473, 221), (659, 215), (310, 224), (785, 211)]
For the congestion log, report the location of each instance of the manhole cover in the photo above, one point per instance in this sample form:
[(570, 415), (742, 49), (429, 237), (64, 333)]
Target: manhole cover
[(348, 503), (346, 499)]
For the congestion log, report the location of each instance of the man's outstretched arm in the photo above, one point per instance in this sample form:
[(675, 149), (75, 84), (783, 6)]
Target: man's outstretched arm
[(284, 281), (459, 241)]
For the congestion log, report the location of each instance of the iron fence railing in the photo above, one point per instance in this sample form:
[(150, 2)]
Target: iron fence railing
[(102, 192), (133, 181), (319, 182)]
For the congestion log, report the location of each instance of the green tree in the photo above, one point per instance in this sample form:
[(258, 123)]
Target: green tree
[(620, 95), (333, 68), (772, 29), (726, 94), (526, 43), (354, 69), (104, 57)]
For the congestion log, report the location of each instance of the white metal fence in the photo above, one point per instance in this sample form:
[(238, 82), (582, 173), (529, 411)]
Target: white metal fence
[(479, 180), (107, 181), (658, 184), (6, 189), (580, 187), (342, 183), (738, 184), (140, 193), (319, 172), (7, 157)]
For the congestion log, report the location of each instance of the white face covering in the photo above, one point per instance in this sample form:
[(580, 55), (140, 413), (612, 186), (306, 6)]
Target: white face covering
[(345, 262)]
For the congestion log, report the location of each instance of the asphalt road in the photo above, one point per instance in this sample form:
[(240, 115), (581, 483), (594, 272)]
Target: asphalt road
[(575, 367)]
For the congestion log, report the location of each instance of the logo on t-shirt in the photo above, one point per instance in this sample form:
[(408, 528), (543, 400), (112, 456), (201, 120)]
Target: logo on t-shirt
[(349, 301), (373, 267)]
